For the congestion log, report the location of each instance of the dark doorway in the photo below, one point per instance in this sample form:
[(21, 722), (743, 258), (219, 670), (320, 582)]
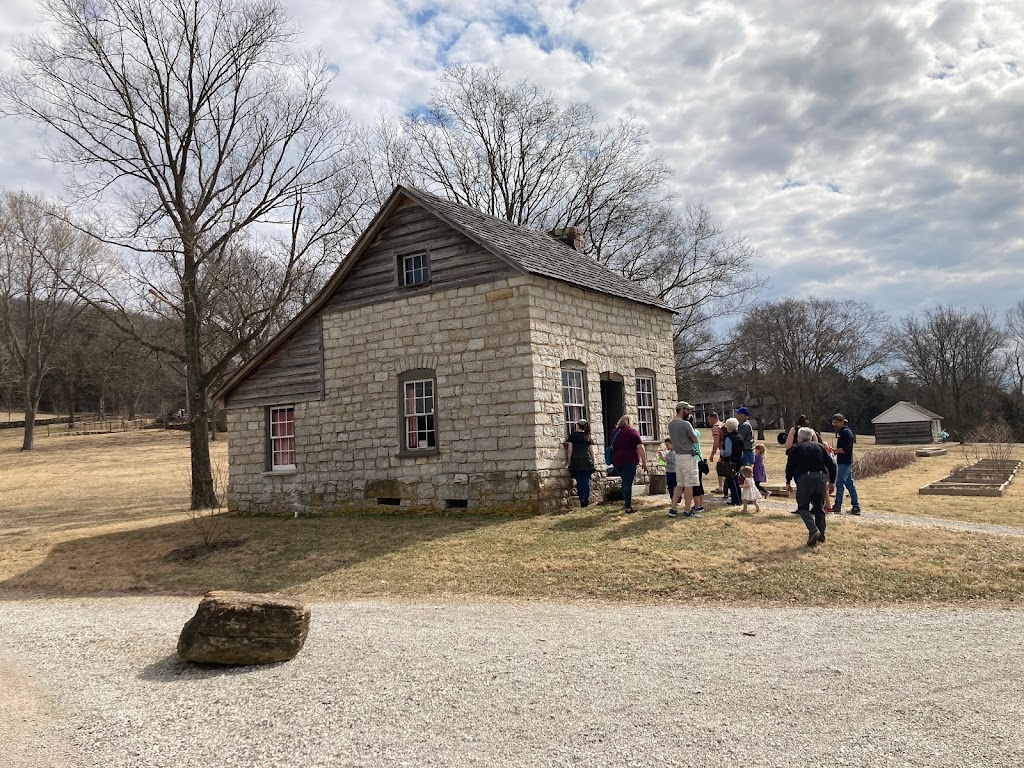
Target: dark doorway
[(613, 403)]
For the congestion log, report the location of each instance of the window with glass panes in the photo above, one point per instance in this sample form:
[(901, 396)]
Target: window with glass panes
[(645, 413), (574, 401), (282, 437), (420, 431), (414, 269)]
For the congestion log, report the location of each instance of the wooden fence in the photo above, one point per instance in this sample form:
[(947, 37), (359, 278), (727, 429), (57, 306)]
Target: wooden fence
[(99, 426)]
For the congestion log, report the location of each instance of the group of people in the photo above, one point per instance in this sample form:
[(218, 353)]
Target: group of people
[(817, 469)]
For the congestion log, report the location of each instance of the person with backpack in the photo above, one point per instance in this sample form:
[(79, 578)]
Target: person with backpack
[(732, 452)]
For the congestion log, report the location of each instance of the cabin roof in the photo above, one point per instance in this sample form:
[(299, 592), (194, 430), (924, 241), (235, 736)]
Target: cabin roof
[(527, 249)]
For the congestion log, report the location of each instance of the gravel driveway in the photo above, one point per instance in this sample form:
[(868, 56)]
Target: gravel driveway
[(535, 684)]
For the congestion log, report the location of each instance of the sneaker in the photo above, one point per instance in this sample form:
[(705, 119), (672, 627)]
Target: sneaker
[(673, 512), (691, 513), (837, 511), (855, 511), (812, 540), (821, 538), (629, 510), (699, 509)]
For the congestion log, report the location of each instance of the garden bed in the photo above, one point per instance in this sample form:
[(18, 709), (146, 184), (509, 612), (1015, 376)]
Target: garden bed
[(987, 477)]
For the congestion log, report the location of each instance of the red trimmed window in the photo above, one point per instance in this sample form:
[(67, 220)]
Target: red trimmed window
[(420, 431), (282, 437)]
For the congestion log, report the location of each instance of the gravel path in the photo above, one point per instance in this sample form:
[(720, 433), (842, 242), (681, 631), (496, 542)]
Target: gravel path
[(524, 684)]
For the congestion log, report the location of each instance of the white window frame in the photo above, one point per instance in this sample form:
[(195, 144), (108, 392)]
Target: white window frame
[(279, 443), (422, 409), (412, 266), (574, 397), (646, 407)]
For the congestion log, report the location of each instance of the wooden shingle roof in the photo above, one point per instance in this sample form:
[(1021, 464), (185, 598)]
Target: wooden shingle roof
[(531, 250)]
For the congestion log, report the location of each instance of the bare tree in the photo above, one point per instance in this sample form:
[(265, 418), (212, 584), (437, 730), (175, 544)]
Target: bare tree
[(952, 355), (514, 151), (198, 130), (42, 259), (703, 273), (797, 351), (1015, 351)]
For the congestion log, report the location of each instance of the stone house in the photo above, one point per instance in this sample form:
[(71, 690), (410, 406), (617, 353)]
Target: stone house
[(439, 367)]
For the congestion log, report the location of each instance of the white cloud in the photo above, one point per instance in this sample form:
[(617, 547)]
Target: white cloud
[(869, 150)]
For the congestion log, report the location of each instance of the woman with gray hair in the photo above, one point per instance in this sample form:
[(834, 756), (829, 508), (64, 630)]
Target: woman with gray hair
[(809, 464), (732, 452)]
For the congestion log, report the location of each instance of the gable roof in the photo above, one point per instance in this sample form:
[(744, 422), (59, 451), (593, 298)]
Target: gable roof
[(529, 250), (905, 405)]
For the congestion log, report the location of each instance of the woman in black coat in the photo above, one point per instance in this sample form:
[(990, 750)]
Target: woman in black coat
[(732, 452)]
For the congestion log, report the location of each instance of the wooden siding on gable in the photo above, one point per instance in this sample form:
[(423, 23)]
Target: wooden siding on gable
[(454, 260), (907, 433), (294, 373)]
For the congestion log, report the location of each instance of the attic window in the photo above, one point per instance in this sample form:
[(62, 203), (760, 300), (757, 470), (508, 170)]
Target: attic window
[(414, 269)]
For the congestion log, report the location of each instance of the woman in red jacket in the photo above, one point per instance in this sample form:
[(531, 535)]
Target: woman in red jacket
[(627, 453)]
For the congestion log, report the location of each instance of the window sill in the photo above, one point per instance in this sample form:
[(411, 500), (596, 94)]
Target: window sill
[(280, 472), (418, 454)]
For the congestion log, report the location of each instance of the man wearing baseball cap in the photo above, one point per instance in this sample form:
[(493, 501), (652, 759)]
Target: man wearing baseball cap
[(747, 433), (684, 443), (844, 460)]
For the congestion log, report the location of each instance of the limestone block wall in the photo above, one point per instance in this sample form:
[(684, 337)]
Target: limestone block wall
[(607, 334), (478, 341)]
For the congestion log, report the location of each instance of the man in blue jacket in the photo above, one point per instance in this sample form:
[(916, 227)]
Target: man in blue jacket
[(844, 458)]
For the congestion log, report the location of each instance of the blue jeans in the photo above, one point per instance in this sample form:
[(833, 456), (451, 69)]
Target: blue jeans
[(844, 479), (627, 472), (732, 482), (747, 458), (582, 478)]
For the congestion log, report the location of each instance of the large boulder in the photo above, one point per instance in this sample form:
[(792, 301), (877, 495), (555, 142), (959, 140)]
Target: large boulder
[(240, 628)]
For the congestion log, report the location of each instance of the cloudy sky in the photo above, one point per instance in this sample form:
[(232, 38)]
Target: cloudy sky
[(868, 150)]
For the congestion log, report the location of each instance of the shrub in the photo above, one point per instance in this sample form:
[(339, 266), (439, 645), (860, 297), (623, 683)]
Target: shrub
[(873, 463), (996, 438)]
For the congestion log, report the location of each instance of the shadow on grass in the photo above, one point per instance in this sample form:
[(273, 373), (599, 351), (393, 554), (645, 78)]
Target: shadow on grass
[(585, 521), (279, 554), (640, 523)]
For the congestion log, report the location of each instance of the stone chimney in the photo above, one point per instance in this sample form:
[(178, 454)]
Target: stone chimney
[(571, 236)]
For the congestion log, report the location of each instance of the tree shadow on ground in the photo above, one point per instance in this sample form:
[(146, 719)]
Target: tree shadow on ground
[(793, 551), (639, 524), (583, 521), (279, 554)]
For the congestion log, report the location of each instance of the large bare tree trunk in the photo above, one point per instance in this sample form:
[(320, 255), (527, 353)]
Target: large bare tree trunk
[(30, 424), (203, 496)]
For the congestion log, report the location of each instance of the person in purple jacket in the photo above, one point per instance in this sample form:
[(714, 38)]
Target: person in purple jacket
[(627, 453), (760, 473)]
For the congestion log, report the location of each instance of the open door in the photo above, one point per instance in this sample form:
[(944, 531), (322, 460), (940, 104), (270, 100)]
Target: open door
[(613, 402)]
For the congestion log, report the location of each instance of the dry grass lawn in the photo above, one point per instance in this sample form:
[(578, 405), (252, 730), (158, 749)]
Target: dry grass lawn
[(896, 492), (99, 515)]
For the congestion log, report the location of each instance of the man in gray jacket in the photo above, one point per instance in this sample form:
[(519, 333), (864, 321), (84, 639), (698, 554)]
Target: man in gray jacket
[(684, 443)]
